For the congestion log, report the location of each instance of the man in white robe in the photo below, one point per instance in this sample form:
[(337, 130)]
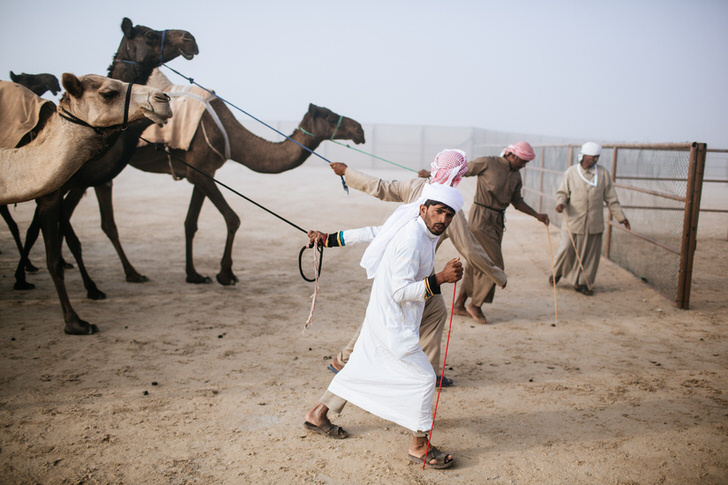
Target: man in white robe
[(388, 374)]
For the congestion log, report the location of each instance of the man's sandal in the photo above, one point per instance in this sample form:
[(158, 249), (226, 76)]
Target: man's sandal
[(433, 454), (328, 429)]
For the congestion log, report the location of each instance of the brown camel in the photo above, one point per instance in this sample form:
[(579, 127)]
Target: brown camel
[(260, 155), (38, 83), (140, 51), (91, 109)]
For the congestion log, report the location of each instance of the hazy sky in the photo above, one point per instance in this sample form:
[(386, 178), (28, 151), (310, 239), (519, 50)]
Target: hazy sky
[(632, 71)]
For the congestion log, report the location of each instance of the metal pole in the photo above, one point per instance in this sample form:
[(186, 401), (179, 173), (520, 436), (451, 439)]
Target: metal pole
[(608, 246)]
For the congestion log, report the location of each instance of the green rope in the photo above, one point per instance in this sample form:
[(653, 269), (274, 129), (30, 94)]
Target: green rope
[(378, 158)]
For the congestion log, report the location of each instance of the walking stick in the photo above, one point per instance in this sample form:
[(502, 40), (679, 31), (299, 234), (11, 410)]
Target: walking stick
[(442, 376), (553, 273), (578, 258)]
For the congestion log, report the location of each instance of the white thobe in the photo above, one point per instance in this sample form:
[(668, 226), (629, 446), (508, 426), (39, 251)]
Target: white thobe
[(388, 374)]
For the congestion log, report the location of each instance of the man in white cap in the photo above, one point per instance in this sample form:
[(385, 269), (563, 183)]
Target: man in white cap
[(580, 198), (498, 185), (447, 168), (388, 374)]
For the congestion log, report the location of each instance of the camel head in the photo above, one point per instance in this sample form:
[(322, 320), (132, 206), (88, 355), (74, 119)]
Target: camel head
[(150, 48), (38, 83), (100, 101), (324, 123)]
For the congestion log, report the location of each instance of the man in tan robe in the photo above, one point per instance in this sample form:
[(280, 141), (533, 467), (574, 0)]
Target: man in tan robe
[(498, 186), (580, 198), (435, 313)]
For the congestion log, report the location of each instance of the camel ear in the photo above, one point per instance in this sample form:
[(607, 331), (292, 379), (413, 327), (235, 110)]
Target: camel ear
[(126, 27), (313, 109), (72, 85), (13, 77)]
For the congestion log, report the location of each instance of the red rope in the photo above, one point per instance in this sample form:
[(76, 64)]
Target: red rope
[(442, 376)]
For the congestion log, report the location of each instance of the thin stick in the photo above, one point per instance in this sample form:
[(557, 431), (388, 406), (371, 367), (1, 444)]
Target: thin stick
[(553, 273), (578, 258), (442, 376)]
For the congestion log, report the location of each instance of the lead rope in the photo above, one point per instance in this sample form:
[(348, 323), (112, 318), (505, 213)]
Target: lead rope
[(442, 376), (160, 147), (316, 269), (192, 81)]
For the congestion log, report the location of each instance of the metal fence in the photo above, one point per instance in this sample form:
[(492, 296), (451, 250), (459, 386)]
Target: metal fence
[(659, 187)]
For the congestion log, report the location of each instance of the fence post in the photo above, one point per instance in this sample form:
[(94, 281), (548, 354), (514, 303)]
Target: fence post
[(608, 245), (694, 189)]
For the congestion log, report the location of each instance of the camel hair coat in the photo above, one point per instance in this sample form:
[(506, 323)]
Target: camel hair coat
[(584, 197)]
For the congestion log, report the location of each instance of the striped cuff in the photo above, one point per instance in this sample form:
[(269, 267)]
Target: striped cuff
[(335, 239), (431, 287)]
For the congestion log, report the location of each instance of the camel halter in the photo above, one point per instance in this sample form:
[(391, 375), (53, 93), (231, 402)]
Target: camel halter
[(331, 138), (63, 113)]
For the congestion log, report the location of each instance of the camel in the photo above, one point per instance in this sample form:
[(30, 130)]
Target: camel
[(38, 83), (140, 51), (205, 154), (92, 107)]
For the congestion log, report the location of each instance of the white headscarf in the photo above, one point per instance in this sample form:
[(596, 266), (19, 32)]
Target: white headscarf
[(404, 214)]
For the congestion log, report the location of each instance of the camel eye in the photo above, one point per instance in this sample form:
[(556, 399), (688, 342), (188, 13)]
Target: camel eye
[(151, 37), (109, 94)]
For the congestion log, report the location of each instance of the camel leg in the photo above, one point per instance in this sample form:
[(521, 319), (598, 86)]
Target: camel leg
[(29, 267), (193, 215), (108, 225), (21, 283), (74, 244), (49, 209), (232, 221)]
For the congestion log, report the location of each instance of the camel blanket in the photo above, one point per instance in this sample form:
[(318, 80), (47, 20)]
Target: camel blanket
[(19, 112), (188, 103)]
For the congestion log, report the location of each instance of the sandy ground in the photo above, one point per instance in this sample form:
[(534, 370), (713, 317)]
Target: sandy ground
[(209, 384)]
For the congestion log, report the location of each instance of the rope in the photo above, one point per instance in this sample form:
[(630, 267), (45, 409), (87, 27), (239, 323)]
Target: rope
[(158, 146), (553, 273), (576, 252), (317, 272), (372, 155), (192, 81), (442, 376)]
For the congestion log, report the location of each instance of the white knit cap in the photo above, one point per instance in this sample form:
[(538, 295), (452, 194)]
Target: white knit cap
[(591, 148), (445, 194)]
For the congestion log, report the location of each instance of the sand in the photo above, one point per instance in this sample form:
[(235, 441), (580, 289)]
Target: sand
[(209, 384)]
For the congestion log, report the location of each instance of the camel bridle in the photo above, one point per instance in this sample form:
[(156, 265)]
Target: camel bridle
[(65, 114), (306, 132)]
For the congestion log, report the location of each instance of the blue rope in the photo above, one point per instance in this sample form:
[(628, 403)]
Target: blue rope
[(192, 81)]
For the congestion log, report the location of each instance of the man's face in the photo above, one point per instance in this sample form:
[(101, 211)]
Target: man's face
[(588, 161), (437, 217), (515, 162)]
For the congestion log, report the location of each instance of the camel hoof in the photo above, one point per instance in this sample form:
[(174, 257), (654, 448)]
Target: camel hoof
[(23, 285), (80, 328), (95, 294), (199, 280), (30, 267), (226, 279), (136, 278)]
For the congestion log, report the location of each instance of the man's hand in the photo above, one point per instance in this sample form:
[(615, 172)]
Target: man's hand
[(316, 236), (626, 224), (338, 168), (560, 208), (543, 218), (451, 273), (423, 174)]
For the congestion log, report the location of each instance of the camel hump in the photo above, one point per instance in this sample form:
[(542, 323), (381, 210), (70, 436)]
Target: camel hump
[(19, 112)]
